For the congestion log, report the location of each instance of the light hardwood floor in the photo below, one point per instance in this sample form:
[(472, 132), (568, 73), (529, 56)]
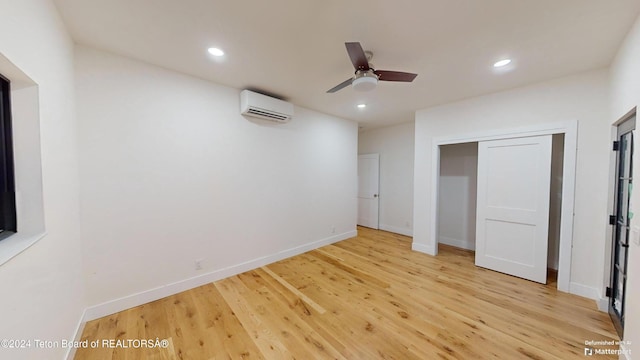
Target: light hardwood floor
[(368, 297)]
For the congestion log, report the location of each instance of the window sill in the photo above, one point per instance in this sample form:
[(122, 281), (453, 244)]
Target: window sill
[(17, 243)]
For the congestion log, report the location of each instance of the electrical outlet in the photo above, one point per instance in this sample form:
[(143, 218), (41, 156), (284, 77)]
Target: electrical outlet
[(198, 264), (407, 224), (333, 229)]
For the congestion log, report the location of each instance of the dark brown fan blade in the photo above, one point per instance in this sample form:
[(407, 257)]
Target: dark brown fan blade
[(357, 55), (386, 75), (342, 85)]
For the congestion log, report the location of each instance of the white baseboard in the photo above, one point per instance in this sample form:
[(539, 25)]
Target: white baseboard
[(71, 351), (127, 302), (603, 304), (421, 248), (396, 230), (457, 243), (584, 291)]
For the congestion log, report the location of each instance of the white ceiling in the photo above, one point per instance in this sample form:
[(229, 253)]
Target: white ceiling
[(295, 48)]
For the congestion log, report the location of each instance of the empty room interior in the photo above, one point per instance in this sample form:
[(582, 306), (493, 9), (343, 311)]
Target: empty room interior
[(208, 179)]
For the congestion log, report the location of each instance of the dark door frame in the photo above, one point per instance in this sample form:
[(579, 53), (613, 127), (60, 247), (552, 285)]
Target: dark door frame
[(620, 220)]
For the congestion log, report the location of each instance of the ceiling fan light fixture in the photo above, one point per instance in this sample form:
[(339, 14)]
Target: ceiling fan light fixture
[(365, 81)]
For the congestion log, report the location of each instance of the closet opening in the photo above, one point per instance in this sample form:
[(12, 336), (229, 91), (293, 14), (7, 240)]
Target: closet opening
[(457, 199)]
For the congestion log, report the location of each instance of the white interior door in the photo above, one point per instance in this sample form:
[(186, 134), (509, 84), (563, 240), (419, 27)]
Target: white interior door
[(512, 226), (368, 182)]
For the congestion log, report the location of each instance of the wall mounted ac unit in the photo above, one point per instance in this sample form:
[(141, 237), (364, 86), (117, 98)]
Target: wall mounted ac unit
[(265, 107)]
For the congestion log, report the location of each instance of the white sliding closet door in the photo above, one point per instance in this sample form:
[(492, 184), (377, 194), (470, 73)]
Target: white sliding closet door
[(512, 225)]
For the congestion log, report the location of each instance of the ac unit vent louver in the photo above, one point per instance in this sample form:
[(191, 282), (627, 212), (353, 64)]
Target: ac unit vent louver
[(265, 107), (267, 114)]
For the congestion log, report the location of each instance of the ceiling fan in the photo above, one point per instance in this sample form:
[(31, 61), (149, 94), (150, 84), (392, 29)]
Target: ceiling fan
[(366, 77)]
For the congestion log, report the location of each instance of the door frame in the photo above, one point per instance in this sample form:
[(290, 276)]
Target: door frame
[(570, 130), (612, 209)]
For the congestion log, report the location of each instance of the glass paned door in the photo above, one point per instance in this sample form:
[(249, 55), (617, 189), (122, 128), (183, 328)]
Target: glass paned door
[(621, 226)]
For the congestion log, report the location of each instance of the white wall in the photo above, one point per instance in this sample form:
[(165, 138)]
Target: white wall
[(395, 146), (458, 193), (172, 173), (625, 94), (583, 97), (43, 288)]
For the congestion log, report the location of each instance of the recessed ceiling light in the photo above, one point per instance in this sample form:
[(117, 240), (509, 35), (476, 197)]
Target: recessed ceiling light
[(215, 51), (502, 63), (362, 106)]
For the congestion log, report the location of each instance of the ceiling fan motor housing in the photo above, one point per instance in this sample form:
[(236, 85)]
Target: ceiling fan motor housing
[(365, 80)]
